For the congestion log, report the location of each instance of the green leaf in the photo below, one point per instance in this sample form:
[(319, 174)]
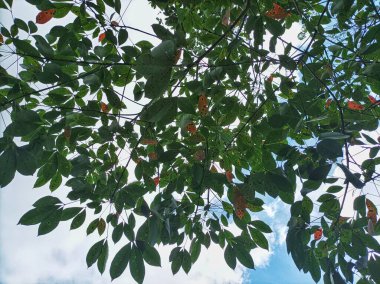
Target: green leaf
[(94, 253), (92, 226), (128, 232), (7, 167), (330, 149), (25, 47), (373, 267), (161, 32), (186, 261), (64, 166), (37, 215), (50, 223), (103, 257), (136, 265), (359, 205), (333, 135), (156, 85), (243, 256), (372, 70), (151, 256), (122, 36), (113, 98), (353, 179), (55, 181), (176, 259), (186, 106), (117, 233), (287, 62), (120, 261), (274, 27), (78, 220), (101, 226), (23, 123), (46, 201), (26, 161), (160, 110), (263, 227), (230, 256), (315, 271), (341, 6), (69, 213), (259, 238), (195, 250)]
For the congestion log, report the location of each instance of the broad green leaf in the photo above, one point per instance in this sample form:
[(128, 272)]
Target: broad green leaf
[(151, 256), (69, 213), (195, 250), (50, 223), (162, 32), (243, 256), (359, 205), (353, 179), (263, 227), (26, 48), (315, 271), (288, 62), (37, 215), (23, 123), (186, 261), (122, 36), (55, 181), (92, 226), (7, 167), (103, 257), (160, 110), (373, 267), (259, 238), (78, 220), (26, 161), (94, 253), (274, 27), (230, 256), (333, 135), (117, 233), (330, 149), (136, 265), (120, 261), (176, 259), (46, 201), (101, 226)]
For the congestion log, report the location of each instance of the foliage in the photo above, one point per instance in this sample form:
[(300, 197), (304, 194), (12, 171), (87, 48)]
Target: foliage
[(180, 136)]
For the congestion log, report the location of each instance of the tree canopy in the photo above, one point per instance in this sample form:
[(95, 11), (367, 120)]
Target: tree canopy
[(173, 139)]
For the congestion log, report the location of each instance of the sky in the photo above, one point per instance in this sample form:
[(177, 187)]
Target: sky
[(59, 257)]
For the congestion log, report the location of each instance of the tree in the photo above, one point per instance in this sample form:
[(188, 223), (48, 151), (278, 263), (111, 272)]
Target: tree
[(228, 111)]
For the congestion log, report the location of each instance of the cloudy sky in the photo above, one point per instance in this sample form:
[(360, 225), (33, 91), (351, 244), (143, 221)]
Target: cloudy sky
[(59, 257)]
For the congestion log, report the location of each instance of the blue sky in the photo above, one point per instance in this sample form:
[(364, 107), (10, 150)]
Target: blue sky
[(281, 267)]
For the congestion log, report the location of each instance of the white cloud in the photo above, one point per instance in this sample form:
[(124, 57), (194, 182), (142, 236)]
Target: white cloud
[(281, 232), (271, 208)]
